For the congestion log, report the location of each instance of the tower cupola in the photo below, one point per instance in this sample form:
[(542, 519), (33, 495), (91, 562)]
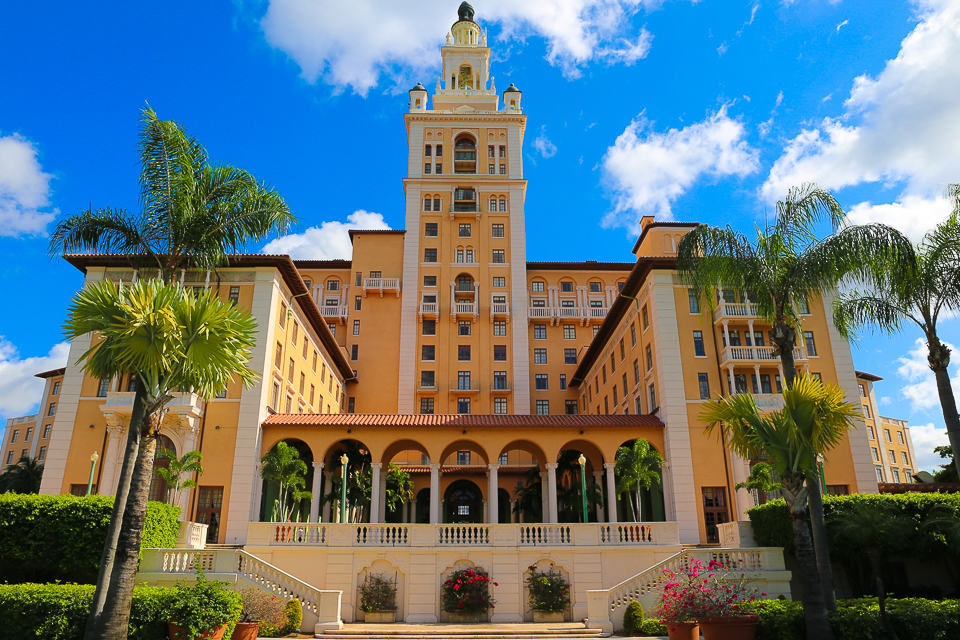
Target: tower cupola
[(465, 31), (511, 98), (418, 98)]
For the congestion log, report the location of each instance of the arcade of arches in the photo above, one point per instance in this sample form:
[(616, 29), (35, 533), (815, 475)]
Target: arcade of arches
[(463, 471)]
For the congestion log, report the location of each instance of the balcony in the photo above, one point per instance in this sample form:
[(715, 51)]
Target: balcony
[(730, 355), (499, 310), (501, 387), (463, 309), (584, 314), (381, 285), (334, 312), (465, 386), (429, 310), (768, 401), (427, 388), (727, 310)]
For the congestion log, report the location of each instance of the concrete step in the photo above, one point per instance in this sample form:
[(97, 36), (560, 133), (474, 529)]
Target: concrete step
[(400, 631)]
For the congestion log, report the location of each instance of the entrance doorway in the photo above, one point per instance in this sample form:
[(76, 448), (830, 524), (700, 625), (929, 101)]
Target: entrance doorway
[(714, 511)]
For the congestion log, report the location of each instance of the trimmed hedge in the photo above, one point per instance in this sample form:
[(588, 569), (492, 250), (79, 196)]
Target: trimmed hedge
[(59, 611), (771, 521), (60, 538), (633, 618), (859, 619)]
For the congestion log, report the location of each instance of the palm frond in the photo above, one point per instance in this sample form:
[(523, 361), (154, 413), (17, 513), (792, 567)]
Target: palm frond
[(100, 231), (803, 207)]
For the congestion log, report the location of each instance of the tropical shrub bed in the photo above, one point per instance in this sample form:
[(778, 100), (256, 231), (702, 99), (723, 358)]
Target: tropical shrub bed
[(548, 590), (48, 538), (467, 592), (378, 594), (859, 619)]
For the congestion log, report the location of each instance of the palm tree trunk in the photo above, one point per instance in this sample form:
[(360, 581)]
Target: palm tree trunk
[(876, 567), (94, 629), (814, 607), (116, 612), (821, 544), (785, 338), (938, 357)]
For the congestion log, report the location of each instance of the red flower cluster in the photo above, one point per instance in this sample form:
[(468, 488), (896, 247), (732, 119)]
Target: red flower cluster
[(703, 592), (467, 591)]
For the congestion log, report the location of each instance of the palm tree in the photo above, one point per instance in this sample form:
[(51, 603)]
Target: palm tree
[(917, 284), (637, 468), (193, 216), (169, 339), (176, 472), (283, 465), (398, 487), (785, 265), (528, 497), (814, 419), (22, 477)]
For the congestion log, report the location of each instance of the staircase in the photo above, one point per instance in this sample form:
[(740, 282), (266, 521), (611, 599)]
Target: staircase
[(556, 631)]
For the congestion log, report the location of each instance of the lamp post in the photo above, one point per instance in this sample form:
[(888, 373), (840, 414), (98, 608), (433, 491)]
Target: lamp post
[(343, 487), (583, 483), (93, 465)]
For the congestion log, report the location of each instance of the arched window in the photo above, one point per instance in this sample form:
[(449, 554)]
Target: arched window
[(503, 204), (333, 284), (465, 154), (465, 79), (493, 204), (464, 283)]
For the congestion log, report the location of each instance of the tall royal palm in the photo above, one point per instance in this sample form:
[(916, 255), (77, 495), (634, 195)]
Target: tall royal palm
[(814, 419), (193, 215), (786, 264), (169, 339), (637, 468), (918, 284)]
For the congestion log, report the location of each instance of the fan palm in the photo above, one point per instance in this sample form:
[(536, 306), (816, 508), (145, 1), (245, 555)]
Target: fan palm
[(176, 473), (193, 215), (22, 477), (917, 284), (784, 265), (169, 339), (637, 468), (814, 419), (283, 466)]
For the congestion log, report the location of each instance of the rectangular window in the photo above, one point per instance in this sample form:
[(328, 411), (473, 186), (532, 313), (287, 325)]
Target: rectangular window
[(491, 151), (283, 314), (624, 382), (570, 407), (426, 204), (870, 433), (103, 386), (566, 287), (543, 407), (633, 335), (649, 356), (436, 204), (29, 435), (809, 343), (354, 351), (704, 383), (463, 353), (428, 379), (491, 169), (714, 511), (303, 383), (47, 427), (892, 456), (427, 168), (439, 150), (42, 453), (463, 381), (429, 327), (499, 380), (464, 230), (694, 301), (539, 356), (900, 437), (803, 305), (503, 169), (430, 229), (636, 372), (429, 281), (356, 327), (886, 435), (499, 353), (426, 405), (439, 168), (879, 471), (499, 327), (539, 332), (499, 282), (429, 255), (906, 458), (563, 382), (497, 231), (698, 348), (863, 391), (612, 364), (333, 285), (499, 408), (503, 151), (428, 352), (876, 455), (463, 406), (541, 382), (569, 356), (866, 411), (463, 328), (428, 151), (652, 392), (645, 316), (499, 256)]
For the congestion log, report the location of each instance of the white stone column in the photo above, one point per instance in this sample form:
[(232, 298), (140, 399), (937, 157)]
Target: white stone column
[(608, 467), (112, 459), (552, 491), (544, 506), (434, 493), (375, 492), (316, 489), (493, 499), (327, 505), (598, 480)]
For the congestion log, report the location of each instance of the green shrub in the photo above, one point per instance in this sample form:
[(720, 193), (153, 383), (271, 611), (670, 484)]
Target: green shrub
[(633, 619), (50, 538), (652, 627), (859, 619), (203, 605), (59, 611), (294, 615), (547, 590)]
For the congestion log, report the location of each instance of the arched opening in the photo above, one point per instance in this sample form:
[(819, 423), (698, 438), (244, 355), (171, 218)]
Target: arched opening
[(465, 154), (358, 473), (522, 465), (465, 77), (463, 503), (403, 475), (423, 506), (503, 506), (572, 478), (464, 284), (639, 482), (292, 506), (159, 489)]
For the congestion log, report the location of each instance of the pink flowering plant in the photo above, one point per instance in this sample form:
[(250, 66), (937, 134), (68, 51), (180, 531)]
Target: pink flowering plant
[(260, 606), (467, 591), (703, 592)]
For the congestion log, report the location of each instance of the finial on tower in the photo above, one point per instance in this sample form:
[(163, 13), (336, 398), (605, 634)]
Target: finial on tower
[(465, 11)]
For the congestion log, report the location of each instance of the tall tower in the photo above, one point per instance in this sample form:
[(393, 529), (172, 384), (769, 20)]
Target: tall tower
[(464, 336)]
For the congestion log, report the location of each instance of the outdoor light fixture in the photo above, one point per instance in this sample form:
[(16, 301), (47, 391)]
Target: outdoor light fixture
[(343, 487), (93, 465), (583, 483)]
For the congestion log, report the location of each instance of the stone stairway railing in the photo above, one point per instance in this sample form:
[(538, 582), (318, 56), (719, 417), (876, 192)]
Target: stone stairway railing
[(320, 606), (764, 565)]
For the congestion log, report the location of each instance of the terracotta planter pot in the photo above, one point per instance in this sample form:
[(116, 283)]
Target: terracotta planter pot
[(379, 617), (683, 631), (179, 633), (730, 628), (246, 631), (547, 616)]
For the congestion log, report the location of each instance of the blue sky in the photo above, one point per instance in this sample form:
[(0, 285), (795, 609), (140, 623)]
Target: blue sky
[(685, 110)]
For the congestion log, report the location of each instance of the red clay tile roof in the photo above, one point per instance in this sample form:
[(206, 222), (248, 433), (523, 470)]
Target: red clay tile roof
[(868, 376), (457, 420), (586, 265), (53, 373), (654, 225)]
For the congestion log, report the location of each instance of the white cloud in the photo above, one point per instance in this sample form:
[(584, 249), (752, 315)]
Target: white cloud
[(922, 388), (544, 145), (19, 389), (766, 125), (842, 25), (722, 49), (898, 129), (648, 170), (24, 189), (353, 44), (329, 241), (913, 215), (925, 437)]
